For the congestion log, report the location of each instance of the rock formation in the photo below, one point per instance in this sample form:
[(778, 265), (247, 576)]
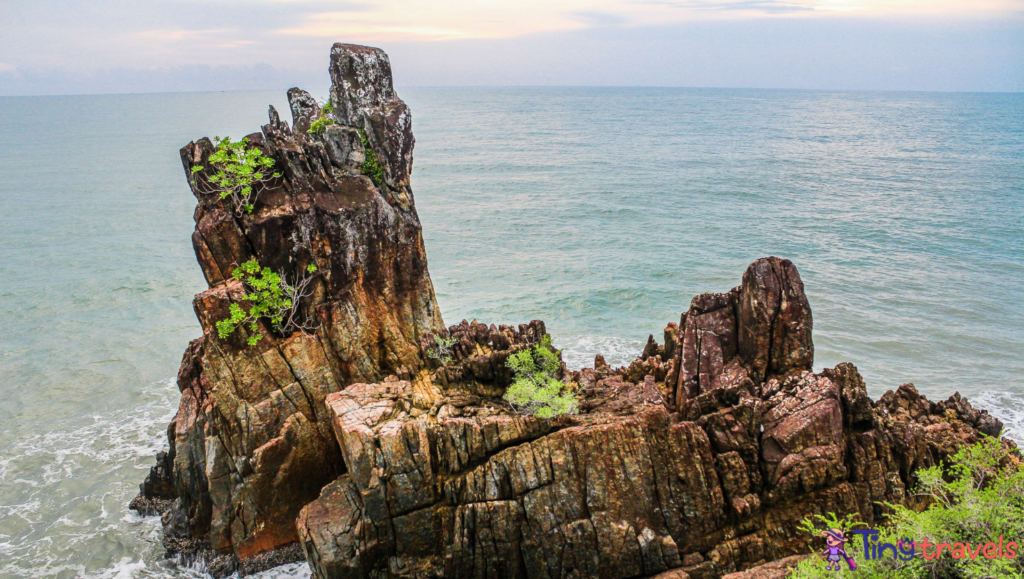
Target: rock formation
[(699, 459), (353, 442), (252, 441)]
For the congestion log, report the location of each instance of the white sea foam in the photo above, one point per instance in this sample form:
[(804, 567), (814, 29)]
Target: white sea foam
[(579, 351), (64, 494), (1006, 406), (293, 571)]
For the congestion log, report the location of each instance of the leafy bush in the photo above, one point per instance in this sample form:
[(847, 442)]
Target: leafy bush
[(320, 125), (326, 119), (817, 524), (241, 172), (977, 499), (371, 166), (535, 389), (271, 297), (443, 350)]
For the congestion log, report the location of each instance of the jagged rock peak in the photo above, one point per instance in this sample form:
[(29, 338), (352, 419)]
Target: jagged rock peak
[(361, 77), (305, 109), (364, 97)]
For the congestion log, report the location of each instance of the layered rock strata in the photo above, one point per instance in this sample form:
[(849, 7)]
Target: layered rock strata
[(354, 442), (698, 460)]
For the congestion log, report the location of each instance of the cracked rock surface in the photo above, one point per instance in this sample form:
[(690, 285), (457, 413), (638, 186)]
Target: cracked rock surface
[(674, 468)]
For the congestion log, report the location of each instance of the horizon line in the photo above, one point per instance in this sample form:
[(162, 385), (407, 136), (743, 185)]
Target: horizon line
[(536, 86)]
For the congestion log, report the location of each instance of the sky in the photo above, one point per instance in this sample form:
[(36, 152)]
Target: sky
[(119, 46)]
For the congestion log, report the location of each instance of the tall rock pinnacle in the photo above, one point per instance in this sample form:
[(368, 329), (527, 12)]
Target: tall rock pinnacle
[(252, 442)]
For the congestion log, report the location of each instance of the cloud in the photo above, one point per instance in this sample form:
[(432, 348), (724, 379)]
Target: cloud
[(44, 39), (395, 20), (763, 6), (176, 34), (860, 7), (342, 25), (598, 19)]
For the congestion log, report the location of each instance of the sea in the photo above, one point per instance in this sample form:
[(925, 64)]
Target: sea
[(601, 211)]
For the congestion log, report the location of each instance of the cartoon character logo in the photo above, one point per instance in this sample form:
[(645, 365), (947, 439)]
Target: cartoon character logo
[(834, 552)]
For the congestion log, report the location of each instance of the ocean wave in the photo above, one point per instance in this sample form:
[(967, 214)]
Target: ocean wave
[(579, 351), (1006, 406), (64, 495), (109, 439)]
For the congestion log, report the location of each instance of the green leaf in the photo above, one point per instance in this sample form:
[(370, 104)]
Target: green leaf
[(239, 169)]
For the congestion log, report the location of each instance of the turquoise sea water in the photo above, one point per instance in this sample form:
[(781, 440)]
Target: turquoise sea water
[(601, 211)]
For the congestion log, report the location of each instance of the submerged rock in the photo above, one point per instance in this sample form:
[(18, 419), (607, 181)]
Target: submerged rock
[(355, 442)]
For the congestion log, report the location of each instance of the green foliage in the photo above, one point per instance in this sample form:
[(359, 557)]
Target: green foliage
[(976, 498), (535, 389), (320, 125), (270, 297), (371, 166), (815, 525), (326, 119), (240, 172), (443, 350)]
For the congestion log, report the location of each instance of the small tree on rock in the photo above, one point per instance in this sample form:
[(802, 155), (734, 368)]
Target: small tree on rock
[(442, 352), (536, 389), (240, 172), (270, 297)]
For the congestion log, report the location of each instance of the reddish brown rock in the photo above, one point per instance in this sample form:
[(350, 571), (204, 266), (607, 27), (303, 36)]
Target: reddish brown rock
[(775, 570), (759, 329), (627, 488), (774, 319), (520, 496)]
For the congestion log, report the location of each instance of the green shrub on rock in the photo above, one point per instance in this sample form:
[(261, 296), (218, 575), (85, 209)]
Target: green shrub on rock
[(325, 120), (535, 389), (240, 173), (270, 297), (976, 500), (371, 166), (442, 352)]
